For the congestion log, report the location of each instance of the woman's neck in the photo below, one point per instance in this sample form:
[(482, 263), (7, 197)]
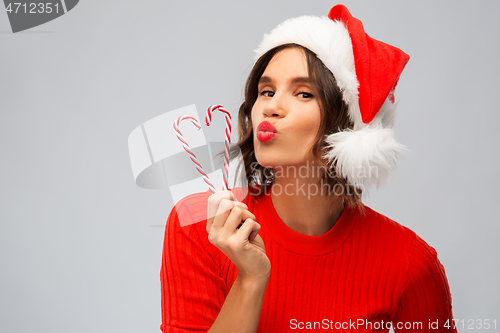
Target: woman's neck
[(303, 203)]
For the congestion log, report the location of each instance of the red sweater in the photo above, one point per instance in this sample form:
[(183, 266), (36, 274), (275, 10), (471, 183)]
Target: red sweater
[(360, 276)]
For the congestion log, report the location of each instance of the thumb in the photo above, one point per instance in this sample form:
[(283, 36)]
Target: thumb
[(255, 231)]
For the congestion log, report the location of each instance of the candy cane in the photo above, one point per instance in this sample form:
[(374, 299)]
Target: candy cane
[(208, 120), (188, 149)]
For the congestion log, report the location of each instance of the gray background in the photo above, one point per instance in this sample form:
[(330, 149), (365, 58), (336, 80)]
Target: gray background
[(80, 243)]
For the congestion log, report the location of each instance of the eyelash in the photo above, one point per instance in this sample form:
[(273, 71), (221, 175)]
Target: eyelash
[(306, 94), (264, 92)]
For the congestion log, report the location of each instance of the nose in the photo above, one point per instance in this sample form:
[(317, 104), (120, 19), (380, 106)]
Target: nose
[(275, 107)]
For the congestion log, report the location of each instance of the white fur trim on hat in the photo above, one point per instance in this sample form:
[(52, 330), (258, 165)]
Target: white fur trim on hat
[(366, 157)]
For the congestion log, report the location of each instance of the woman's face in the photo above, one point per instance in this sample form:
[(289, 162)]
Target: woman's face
[(287, 103)]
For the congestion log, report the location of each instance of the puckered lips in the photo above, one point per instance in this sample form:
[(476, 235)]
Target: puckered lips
[(265, 131)]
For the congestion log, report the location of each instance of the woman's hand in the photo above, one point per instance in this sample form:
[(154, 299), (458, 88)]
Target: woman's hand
[(232, 229)]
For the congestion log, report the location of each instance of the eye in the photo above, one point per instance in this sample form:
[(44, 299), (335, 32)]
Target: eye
[(304, 94), (267, 93)]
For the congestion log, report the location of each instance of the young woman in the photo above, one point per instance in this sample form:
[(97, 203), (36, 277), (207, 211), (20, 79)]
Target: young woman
[(301, 251)]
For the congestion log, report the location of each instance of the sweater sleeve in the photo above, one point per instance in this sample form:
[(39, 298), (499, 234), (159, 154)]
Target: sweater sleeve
[(192, 289), (426, 300)]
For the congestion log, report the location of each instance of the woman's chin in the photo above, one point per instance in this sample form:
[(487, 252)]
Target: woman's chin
[(267, 165), (266, 162), (273, 160)]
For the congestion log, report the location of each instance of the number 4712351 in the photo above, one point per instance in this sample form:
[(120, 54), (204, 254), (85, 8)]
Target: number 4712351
[(32, 8), (471, 324)]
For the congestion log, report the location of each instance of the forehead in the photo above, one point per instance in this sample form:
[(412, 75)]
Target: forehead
[(288, 63)]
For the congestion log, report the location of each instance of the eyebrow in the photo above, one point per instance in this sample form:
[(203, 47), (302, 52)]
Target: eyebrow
[(298, 79)]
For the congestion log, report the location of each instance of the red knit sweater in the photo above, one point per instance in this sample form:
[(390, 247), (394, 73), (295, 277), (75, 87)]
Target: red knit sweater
[(364, 274)]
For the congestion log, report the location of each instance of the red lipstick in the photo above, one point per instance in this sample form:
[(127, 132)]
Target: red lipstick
[(265, 131)]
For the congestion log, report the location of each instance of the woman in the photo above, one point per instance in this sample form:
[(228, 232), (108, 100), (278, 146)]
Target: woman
[(302, 251)]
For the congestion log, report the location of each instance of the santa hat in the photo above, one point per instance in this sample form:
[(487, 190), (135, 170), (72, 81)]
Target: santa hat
[(366, 71)]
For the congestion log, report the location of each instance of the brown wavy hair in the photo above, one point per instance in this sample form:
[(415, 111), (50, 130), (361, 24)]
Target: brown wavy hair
[(334, 117)]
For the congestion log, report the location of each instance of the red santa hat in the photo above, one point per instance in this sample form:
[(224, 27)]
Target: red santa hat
[(366, 71)]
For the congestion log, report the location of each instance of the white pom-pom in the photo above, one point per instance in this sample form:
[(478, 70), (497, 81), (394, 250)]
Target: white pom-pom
[(364, 157)]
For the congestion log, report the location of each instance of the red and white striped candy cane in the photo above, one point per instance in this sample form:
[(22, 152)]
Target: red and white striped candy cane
[(208, 120), (188, 149)]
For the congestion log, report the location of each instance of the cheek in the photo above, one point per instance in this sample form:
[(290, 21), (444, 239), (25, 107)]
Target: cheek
[(310, 126), (253, 118)]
